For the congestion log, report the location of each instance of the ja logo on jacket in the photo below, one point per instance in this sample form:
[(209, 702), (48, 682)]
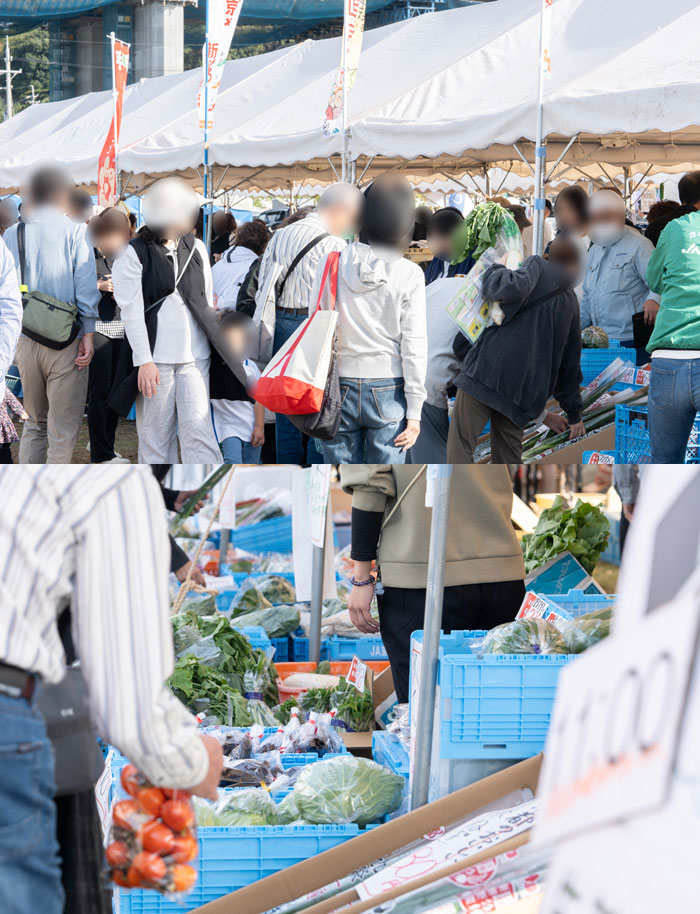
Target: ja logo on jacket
[(693, 249)]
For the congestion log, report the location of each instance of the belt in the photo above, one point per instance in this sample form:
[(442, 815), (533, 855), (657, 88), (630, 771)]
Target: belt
[(15, 683), (293, 312)]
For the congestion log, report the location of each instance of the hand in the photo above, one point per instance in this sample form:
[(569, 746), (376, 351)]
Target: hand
[(209, 786), (258, 437), (556, 422), (359, 602), (651, 309), (183, 496), (408, 436), (105, 284), (85, 351), (196, 577), (149, 379), (577, 430), (628, 511), (24, 416)]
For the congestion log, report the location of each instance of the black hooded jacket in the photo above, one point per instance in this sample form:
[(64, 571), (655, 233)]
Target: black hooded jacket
[(515, 368)]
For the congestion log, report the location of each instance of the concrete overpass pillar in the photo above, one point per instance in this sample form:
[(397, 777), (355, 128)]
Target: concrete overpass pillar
[(159, 38), (89, 41)]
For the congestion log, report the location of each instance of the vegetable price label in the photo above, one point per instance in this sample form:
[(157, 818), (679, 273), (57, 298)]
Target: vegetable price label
[(357, 674), (615, 727)]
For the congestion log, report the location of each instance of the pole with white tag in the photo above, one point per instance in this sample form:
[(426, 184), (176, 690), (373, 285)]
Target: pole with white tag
[(438, 488)]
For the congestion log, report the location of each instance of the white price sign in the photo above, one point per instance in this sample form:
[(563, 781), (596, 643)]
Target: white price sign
[(615, 726)]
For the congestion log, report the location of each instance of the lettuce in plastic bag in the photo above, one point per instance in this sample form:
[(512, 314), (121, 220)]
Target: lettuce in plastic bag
[(346, 789), (277, 621), (522, 636), (585, 631), (260, 593), (248, 808), (582, 530)]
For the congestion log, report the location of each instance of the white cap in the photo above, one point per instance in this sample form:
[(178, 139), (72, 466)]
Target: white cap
[(606, 201)]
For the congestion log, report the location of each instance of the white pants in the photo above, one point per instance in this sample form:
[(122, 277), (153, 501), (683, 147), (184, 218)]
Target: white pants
[(180, 408)]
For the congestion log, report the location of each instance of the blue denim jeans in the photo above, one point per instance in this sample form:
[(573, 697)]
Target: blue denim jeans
[(373, 413), (30, 871), (289, 440), (236, 450), (674, 400)]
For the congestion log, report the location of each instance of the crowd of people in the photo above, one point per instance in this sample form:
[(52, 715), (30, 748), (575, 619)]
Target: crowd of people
[(119, 316)]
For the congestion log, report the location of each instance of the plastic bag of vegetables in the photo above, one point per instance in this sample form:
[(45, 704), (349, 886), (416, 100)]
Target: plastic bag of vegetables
[(522, 636), (201, 604), (585, 631), (346, 789), (260, 593), (251, 772), (353, 710), (277, 621), (255, 681), (248, 808)]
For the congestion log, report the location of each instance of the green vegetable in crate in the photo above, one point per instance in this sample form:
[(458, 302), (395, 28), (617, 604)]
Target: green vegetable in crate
[(318, 700), (201, 604), (354, 710), (283, 712), (346, 789), (582, 530), (249, 807), (522, 636), (260, 593), (288, 810), (585, 631), (277, 621), (594, 338), (201, 688)]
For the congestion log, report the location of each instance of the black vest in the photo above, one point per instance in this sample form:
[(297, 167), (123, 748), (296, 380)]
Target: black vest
[(158, 281)]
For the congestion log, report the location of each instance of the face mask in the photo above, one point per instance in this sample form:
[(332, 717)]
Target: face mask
[(606, 233)]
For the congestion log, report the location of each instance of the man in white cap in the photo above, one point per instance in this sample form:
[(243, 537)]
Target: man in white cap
[(615, 285)]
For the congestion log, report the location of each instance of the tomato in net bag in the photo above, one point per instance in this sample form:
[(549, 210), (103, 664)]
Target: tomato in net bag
[(153, 837)]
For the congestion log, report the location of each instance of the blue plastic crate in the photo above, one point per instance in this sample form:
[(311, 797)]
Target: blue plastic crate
[(632, 436), (578, 602), (299, 647), (612, 552), (223, 600), (281, 646), (494, 706), (387, 750), (593, 361), (240, 576), (232, 858), (274, 535), (257, 636), (366, 647)]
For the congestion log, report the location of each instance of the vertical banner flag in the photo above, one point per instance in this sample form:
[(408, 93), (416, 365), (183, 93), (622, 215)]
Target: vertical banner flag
[(546, 38), (223, 18), (353, 29), (107, 164)]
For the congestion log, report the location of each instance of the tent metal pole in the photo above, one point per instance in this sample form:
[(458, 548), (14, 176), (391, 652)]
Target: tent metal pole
[(540, 148), (566, 149), (440, 476), (318, 562), (364, 170), (515, 147)]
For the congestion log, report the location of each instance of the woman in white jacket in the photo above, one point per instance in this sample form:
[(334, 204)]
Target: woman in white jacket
[(381, 339), (230, 271)]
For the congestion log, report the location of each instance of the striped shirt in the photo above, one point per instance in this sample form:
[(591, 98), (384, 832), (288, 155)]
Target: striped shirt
[(96, 538), (284, 247)]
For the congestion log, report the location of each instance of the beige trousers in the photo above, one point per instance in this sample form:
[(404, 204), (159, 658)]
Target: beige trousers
[(54, 396)]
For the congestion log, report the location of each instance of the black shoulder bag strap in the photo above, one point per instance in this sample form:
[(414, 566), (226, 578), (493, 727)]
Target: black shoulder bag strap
[(300, 256)]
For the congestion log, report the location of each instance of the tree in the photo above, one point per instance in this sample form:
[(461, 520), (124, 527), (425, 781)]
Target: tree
[(30, 53)]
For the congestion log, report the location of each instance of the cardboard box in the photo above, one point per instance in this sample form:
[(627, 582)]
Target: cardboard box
[(384, 698), (317, 872), (560, 575), (603, 440)]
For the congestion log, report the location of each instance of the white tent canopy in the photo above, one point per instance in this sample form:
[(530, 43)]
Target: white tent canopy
[(438, 96)]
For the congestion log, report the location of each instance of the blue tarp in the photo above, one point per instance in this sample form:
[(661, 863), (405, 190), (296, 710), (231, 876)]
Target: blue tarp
[(271, 10)]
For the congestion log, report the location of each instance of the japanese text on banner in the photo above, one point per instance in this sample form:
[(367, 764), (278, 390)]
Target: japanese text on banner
[(353, 30), (107, 164), (223, 18)]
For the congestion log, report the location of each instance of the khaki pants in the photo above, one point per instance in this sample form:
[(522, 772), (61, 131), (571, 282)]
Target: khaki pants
[(54, 396), (468, 421)]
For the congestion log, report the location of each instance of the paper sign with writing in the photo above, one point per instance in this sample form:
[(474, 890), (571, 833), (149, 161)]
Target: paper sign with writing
[(615, 726), (535, 606), (357, 674), (223, 18)]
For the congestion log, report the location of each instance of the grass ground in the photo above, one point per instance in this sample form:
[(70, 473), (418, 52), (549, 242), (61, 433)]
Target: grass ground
[(606, 575), (126, 442)]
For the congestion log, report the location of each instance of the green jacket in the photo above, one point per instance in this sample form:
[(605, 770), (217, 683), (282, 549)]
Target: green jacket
[(674, 271), (481, 543)]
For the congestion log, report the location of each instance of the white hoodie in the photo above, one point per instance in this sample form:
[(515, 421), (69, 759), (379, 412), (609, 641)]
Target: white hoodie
[(228, 274), (381, 321)]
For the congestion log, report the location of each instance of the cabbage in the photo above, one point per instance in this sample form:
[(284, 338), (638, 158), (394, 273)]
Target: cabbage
[(523, 636), (277, 621), (587, 630)]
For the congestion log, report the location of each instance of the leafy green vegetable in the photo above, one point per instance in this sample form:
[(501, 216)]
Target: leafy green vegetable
[(355, 710), (277, 621), (202, 492), (261, 593), (522, 636), (201, 688), (582, 530), (283, 712), (249, 807), (479, 231), (585, 631), (347, 789), (316, 700)]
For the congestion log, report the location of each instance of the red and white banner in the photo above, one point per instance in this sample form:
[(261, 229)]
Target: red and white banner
[(107, 166), (353, 30), (222, 20)]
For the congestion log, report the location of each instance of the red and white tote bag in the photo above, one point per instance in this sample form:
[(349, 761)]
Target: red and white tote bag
[(294, 381)]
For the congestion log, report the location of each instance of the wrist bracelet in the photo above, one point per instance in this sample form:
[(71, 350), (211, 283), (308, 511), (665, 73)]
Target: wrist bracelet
[(361, 583)]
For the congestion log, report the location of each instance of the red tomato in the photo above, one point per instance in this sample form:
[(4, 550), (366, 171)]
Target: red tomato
[(157, 838), (151, 866), (183, 877), (185, 848), (175, 794), (117, 854), (124, 814), (178, 814), (150, 800), (133, 877), (120, 878), (130, 779)]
